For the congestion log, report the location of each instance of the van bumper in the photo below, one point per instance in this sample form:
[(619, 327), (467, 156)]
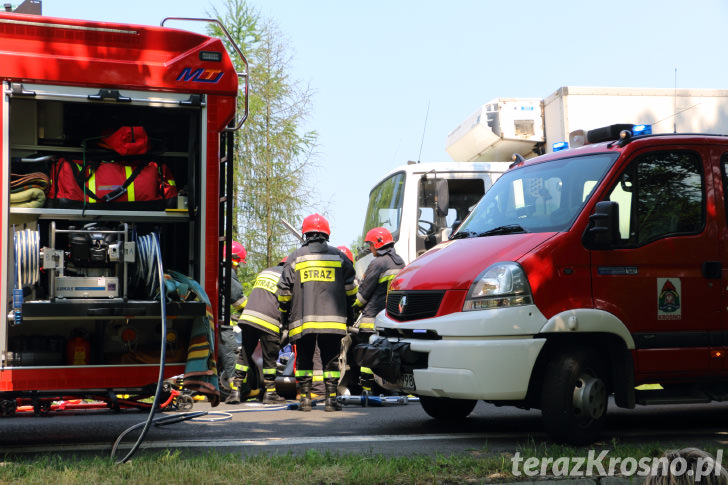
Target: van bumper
[(496, 368), (477, 369)]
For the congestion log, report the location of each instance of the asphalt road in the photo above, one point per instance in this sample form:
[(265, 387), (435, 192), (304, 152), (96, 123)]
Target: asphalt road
[(394, 430)]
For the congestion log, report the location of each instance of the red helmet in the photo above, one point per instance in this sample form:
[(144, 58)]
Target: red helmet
[(239, 253), (346, 251), (315, 223), (379, 236)]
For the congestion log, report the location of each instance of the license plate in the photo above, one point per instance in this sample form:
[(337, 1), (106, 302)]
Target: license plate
[(407, 382)]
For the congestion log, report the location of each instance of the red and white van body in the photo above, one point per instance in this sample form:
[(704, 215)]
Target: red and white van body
[(526, 292)]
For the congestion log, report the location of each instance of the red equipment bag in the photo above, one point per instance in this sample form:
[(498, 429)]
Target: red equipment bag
[(130, 185), (127, 140)]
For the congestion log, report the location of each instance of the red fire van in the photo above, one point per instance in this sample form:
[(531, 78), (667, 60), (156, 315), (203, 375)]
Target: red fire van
[(581, 274)]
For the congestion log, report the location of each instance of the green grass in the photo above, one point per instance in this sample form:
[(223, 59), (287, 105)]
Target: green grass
[(475, 466)]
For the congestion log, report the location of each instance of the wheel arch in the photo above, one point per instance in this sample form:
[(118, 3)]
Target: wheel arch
[(586, 321), (612, 349)]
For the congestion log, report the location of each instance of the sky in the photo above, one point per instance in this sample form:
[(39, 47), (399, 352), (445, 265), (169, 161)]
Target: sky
[(391, 78)]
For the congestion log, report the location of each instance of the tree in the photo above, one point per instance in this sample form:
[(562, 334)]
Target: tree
[(272, 157)]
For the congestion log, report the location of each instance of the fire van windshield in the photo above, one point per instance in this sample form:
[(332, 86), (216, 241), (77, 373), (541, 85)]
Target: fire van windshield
[(544, 197)]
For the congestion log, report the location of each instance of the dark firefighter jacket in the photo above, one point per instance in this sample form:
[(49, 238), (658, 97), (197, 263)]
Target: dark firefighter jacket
[(317, 290), (372, 293), (261, 310), (237, 298)]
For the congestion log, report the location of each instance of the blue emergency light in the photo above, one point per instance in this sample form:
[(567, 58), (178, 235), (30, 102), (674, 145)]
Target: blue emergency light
[(641, 130), (560, 145)]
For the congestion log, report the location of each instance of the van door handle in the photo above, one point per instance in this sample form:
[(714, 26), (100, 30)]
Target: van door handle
[(712, 269)]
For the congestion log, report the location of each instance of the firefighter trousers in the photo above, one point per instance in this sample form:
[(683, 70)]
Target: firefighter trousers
[(269, 346), (329, 347)]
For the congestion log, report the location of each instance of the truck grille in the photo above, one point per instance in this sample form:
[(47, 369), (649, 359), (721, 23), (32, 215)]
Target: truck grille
[(413, 305)]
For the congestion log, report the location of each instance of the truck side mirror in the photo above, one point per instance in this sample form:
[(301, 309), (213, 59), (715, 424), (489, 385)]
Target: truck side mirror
[(443, 197), (603, 229)]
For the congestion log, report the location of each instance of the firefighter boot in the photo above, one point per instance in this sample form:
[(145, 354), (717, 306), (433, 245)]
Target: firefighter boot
[(235, 386), (331, 403), (271, 396), (367, 381), (305, 396)]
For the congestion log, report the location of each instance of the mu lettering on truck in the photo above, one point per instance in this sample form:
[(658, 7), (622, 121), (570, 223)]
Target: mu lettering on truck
[(200, 75)]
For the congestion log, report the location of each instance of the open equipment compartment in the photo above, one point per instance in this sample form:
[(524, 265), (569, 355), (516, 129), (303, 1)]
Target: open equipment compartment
[(87, 284), (79, 276)]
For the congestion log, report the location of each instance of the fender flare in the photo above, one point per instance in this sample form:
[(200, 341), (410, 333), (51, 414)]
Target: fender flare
[(588, 320)]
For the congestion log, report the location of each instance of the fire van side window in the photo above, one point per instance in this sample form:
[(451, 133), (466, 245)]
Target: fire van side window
[(660, 194)]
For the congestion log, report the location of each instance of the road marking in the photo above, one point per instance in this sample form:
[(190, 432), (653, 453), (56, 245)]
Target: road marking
[(314, 440), (296, 441)]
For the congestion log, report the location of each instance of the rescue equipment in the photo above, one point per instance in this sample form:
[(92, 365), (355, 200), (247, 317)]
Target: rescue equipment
[(137, 179), (382, 356), (127, 140), (366, 400), (75, 183), (78, 351)]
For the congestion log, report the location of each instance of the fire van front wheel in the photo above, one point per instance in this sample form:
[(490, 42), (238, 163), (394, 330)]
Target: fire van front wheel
[(446, 409), (574, 397)]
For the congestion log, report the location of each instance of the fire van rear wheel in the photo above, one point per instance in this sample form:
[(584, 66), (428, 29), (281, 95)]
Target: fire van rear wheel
[(446, 409), (574, 397)]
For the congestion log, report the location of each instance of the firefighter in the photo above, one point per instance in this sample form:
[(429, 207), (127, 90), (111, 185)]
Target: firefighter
[(371, 297), (317, 291), (228, 343), (348, 252), (260, 322)]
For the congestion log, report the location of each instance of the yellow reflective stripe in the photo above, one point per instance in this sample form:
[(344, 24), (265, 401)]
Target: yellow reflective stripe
[(261, 322), (387, 278), (92, 186), (352, 291), (318, 326), (332, 373), (317, 264), (304, 373), (284, 298), (130, 189), (241, 367), (267, 281), (240, 303), (366, 325), (269, 372), (365, 370)]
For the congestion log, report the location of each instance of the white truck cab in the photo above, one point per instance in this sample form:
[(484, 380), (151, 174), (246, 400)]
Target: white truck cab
[(419, 203)]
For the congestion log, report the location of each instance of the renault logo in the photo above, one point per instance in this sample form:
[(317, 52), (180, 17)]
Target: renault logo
[(402, 306)]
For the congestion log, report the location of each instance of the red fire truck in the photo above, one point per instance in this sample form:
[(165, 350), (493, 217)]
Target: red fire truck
[(116, 183)]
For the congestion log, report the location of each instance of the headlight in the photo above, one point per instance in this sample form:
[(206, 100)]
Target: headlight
[(501, 285)]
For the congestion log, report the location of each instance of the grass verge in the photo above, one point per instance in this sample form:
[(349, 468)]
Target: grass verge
[(173, 467)]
